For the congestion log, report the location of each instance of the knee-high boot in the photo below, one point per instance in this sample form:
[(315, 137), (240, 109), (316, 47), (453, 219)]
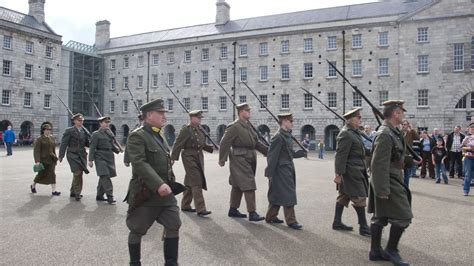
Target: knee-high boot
[(134, 251), (170, 248)]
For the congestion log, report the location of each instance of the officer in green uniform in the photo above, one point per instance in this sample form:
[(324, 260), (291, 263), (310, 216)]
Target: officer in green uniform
[(281, 174), (190, 143), (389, 197), (126, 161), (101, 150), (74, 141), (150, 196), (239, 144), (351, 173)]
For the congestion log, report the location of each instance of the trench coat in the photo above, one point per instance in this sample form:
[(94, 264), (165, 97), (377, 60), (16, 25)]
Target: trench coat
[(74, 142), (101, 151), (44, 151)]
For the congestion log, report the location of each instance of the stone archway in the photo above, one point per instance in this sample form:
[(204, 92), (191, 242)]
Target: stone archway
[(208, 131), (311, 132), (125, 131), (25, 136), (330, 134), (220, 132), (264, 131), (170, 134)]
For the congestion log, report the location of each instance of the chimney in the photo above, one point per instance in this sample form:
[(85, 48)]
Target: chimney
[(223, 13), (102, 33), (36, 9)]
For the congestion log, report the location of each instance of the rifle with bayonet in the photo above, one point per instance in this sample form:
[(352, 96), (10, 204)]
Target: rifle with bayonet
[(136, 107), (72, 114), (187, 111), (251, 125)]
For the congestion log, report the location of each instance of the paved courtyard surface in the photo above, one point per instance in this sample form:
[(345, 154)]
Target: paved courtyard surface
[(40, 230)]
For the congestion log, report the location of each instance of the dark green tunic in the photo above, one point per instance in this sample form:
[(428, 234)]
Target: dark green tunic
[(44, 151), (101, 151), (75, 142)]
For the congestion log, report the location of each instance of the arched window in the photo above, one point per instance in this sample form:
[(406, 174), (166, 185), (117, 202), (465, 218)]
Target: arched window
[(466, 102)]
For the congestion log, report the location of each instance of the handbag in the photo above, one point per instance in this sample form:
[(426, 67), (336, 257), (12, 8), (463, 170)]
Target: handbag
[(38, 168)]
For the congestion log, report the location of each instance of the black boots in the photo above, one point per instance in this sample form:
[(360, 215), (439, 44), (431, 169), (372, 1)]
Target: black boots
[(170, 248), (233, 212), (392, 246), (134, 251), (337, 224), (254, 217), (110, 199), (364, 228), (376, 252)]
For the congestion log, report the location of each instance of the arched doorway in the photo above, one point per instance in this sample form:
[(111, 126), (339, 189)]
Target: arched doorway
[(264, 131), (3, 126), (125, 130), (330, 134), (311, 132), (170, 134), (220, 132), (208, 131), (113, 129), (25, 137)]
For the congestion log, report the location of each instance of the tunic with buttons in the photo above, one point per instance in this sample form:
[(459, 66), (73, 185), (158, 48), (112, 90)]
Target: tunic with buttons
[(101, 151)]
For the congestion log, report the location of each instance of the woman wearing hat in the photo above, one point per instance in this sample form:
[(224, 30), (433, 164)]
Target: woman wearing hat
[(45, 153)]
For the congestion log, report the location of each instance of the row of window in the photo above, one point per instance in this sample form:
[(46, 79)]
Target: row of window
[(29, 46), (27, 99), (8, 66)]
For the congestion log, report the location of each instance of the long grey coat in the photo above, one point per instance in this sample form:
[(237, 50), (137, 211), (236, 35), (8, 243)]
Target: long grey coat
[(75, 141), (101, 151), (387, 175), (350, 163), (281, 170)]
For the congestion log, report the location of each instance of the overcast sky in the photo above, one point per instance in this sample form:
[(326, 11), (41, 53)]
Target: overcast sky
[(75, 20)]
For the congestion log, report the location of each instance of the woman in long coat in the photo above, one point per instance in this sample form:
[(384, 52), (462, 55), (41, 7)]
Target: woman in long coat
[(45, 153)]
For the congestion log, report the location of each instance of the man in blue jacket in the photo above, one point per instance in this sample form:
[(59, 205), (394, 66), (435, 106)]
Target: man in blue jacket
[(9, 139)]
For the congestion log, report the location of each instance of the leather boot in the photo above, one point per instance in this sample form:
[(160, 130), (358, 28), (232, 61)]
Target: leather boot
[(337, 224), (134, 251), (110, 199), (170, 248), (376, 251), (364, 228), (233, 212), (254, 217), (392, 246)]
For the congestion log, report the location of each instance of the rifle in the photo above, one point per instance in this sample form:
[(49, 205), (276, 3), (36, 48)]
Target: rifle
[(274, 117), (378, 115), (136, 106), (100, 115), (72, 114), (187, 111), (251, 125)]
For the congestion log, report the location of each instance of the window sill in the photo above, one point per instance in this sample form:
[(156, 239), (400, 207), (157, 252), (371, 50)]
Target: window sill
[(458, 71), (6, 48), (284, 109), (284, 53), (29, 53), (422, 42), (48, 81), (225, 110), (123, 112), (331, 49), (422, 73), (111, 112), (112, 68), (331, 77), (309, 51), (8, 76), (125, 67), (187, 62), (28, 107), (154, 87), (187, 85), (28, 78), (204, 60), (47, 108), (357, 76), (307, 79), (383, 46), (422, 107), (263, 55), (204, 84), (223, 82), (140, 66), (263, 81), (285, 80), (307, 109), (383, 75), (358, 47), (48, 57), (170, 63), (223, 58), (243, 56), (111, 89)]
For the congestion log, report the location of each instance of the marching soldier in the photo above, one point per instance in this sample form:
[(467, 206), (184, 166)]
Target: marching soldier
[(389, 197), (351, 173), (190, 143), (75, 140), (281, 174), (243, 162), (151, 192), (101, 150)]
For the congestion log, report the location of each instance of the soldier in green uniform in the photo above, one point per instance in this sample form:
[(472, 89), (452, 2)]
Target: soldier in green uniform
[(281, 174), (126, 161), (150, 195), (101, 150), (239, 144), (75, 141), (190, 143), (351, 173), (389, 197)]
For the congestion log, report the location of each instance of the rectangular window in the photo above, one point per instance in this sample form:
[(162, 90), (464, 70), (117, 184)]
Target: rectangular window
[(187, 56), (243, 74), (383, 66), (243, 50), (423, 64), (356, 68), (140, 61), (7, 67), (222, 103), (27, 99), (171, 79), (458, 57), (155, 80), (28, 71), (242, 98), (112, 64), (47, 101), (285, 101), (308, 101), (285, 72), (187, 78), (125, 82), (422, 98), (48, 74), (170, 57), (111, 106), (263, 73), (7, 42), (357, 41), (187, 103), (49, 51), (422, 35), (332, 43), (140, 82), (332, 99), (112, 84), (125, 62), (170, 104), (205, 54), (383, 96), (264, 101), (29, 47), (383, 38), (223, 75), (223, 52), (204, 103), (125, 106), (308, 45), (205, 77), (263, 48), (356, 100), (154, 60), (6, 97), (308, 70), (331, 70), (285, 47)]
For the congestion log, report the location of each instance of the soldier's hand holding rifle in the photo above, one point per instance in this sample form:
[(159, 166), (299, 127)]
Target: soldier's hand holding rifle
[(164, 190)]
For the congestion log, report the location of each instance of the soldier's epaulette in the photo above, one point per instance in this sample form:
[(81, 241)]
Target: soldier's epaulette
[(231, 123), (137, 129)]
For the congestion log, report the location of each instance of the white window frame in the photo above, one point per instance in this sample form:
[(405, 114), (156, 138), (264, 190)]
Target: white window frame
[(171, 79), (113, 84), (28, 71), (155, 59), (285, 72), (308, 45), (205, 54), (422, 35), (308, 71), (223, 75), (263, 99), (111, 106), (48, 74), (187, 56), (356, 99), (27, 99), (29, 47), (187, 78), (49, 51), (170, 57), (7, 42), (205, 103), (263, 70), (285, 101), (423, 98), (187, 103), (383, 67), (308, 101), (458, 57), (332, 73), (113, 63), (154, 80), (356, 41), (285, 47), (204, 77), (383, 39), (243, 50), (222, 103), (140, 61), (124, 106), (223, 52), (242, 98), (170, 103), (7, 67), (332, 43), (139, 81), (357, 68), (263, 49), (243, 74), (6, 97), (47, 101), (332, 99), (126, 62), (125, 83), (383, 97), (423, 64)]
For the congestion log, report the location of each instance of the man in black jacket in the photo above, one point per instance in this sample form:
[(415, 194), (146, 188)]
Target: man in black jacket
[(453, 145)]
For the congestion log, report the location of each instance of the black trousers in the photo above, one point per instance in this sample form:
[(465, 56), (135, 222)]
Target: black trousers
[(455, 163)]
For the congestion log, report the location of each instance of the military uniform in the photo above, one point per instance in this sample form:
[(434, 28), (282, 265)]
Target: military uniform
[(190, 143), (239, 144), (74, 141), (101, 151)]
